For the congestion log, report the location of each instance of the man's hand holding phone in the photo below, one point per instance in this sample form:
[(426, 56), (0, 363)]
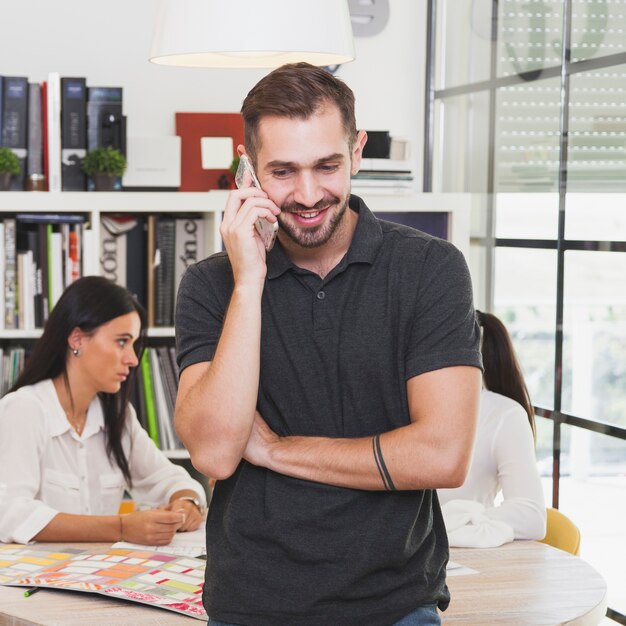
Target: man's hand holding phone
[(245, 177), (249, 226)]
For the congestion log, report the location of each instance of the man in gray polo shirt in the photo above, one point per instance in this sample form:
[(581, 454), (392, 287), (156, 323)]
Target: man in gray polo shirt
[(329, 385)]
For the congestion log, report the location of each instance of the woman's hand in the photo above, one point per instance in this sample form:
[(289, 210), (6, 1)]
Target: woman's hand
[(193, 515), (155, 527)]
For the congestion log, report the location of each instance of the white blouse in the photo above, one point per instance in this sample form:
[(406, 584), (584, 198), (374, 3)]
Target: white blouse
[(504, 460), (46, 468)]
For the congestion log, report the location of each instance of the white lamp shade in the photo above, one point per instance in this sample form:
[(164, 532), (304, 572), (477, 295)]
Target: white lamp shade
[(252, 33)]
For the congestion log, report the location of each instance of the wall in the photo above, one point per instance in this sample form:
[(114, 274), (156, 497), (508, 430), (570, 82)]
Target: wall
[(109, 44)]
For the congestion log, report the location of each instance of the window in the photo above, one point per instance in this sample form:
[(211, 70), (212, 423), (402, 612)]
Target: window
[(525, 105)]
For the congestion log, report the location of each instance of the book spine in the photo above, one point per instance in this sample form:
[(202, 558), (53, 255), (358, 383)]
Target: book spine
[(15, 124), (104, 118), (112, 254), (44, 129), (89, 253), (10, 274), (136, 269), (32, 238), (151, 419), (34, 159), (164, 294), (53, 107), (75, 248), (164, 423), (2, 273), (1, 109), (150, 261), (43, 285), (73, 133), (25, 289), (189, 247)]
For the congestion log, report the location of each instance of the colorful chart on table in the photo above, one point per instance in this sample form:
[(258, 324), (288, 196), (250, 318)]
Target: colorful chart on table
[(167, 581)]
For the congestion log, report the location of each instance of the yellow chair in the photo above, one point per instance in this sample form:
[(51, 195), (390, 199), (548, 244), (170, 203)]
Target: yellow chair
[(561, 532)]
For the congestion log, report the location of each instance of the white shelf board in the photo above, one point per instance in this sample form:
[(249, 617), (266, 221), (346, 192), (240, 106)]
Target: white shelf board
[(113, 201)]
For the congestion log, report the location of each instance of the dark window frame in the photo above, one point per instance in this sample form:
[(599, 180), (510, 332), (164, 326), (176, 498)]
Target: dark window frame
[(566, 69)]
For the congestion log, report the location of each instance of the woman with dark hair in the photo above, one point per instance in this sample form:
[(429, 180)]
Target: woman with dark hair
[(503, 467), (70, 441)]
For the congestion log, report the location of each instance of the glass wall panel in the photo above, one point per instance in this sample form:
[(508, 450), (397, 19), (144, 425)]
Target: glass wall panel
[(543, 451), (597, 130), (525, 300), (593, 494), (530, 36), (527, 137), (468, 24), (598, 28), (595, 217), (462, 143), (527, 215), (594, 336)]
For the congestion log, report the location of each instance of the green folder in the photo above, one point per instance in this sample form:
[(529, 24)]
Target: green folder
[(151, 418)]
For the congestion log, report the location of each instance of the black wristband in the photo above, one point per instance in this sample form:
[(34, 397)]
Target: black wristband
[(380, 464)]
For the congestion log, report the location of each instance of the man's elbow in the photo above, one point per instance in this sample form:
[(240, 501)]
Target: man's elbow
[(214, 465), (454, 472)]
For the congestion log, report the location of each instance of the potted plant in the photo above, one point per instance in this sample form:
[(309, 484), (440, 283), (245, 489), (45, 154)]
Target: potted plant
[(9, 167), (104, 165)]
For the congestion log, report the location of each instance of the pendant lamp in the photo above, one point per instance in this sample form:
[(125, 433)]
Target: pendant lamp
[(252, 33)]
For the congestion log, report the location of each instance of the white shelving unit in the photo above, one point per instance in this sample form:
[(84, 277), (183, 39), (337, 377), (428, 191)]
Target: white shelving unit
[(211, 205)]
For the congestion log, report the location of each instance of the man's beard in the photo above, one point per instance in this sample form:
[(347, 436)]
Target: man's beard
[(316, 236)]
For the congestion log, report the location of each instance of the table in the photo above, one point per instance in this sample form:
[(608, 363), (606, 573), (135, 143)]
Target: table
[(523, 583)]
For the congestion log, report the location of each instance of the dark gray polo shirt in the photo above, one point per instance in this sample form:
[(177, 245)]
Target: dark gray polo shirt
[(335, 357)]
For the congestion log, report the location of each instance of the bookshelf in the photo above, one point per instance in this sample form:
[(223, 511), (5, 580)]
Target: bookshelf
[(456, 206), (453, 207)]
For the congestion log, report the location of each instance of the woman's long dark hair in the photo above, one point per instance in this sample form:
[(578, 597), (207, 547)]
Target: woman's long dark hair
[(503, 373), (87, 303)]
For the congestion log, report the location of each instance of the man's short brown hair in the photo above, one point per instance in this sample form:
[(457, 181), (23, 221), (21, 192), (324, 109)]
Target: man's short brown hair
[(296, 91)]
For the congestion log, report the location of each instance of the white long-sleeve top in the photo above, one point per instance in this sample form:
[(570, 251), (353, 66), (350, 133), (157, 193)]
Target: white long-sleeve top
[(46, 468), (503, 460)]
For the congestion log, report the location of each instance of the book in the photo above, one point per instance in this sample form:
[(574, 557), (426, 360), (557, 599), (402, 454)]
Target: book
[(55, 266), (189, 246), (25, 290), (151, 418), (15, 123), (1, 107), (88, 253), (151, 262), (164, 412), (112, 255), (140, 575), (73, 133), (42, 286), (74, 254), (53, 130), (386, 165), (10, 274), (170, 376), (44, 130), (2, 261), (136, 266), (164, 272), (34, 158), (106, 124)]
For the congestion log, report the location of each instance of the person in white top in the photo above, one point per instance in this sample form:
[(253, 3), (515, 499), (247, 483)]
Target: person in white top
[(503, 460), (70, 442)]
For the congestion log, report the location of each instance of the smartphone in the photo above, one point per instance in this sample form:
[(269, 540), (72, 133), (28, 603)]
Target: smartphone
[(267, 230)]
